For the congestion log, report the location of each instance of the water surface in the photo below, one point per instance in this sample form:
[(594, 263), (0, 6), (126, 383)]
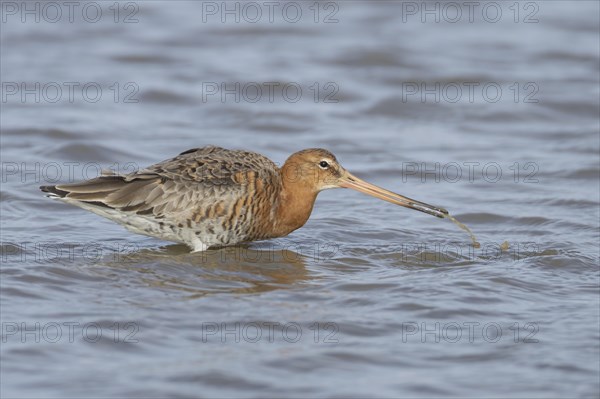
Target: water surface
[(367, 299)]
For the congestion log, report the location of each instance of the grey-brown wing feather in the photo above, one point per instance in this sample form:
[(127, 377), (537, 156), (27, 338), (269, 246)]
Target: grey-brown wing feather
[(178, 187)]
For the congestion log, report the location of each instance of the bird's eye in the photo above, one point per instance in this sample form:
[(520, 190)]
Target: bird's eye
[(324, 164)]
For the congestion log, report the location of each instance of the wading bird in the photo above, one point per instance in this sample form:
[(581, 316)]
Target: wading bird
[(212, 197)]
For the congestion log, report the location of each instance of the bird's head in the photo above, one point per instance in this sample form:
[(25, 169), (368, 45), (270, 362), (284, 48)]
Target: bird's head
[(316, 169)]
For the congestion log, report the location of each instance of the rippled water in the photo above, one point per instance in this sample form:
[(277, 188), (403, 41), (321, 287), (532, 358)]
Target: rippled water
[(367, 299)]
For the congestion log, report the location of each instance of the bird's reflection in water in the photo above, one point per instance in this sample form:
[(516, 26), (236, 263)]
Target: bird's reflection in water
[(238, 270)]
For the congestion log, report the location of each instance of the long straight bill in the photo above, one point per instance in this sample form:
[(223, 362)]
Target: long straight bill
[(350, 181)]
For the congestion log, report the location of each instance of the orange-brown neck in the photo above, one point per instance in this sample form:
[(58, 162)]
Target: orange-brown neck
[(296, 201)]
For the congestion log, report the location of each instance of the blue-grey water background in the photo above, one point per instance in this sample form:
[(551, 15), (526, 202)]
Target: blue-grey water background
[(367, 299)]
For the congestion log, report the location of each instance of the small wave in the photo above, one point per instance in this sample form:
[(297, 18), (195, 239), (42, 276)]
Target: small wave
[(165, 97), (144, 59)]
